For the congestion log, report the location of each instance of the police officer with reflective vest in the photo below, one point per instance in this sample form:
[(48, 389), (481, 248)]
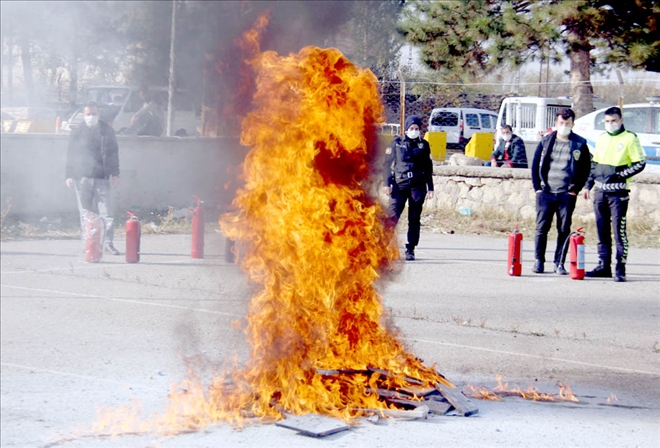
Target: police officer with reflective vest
[(618, 156), (408, 177)]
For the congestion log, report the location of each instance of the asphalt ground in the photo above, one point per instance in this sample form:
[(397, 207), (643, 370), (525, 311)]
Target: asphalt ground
[(77, 336)]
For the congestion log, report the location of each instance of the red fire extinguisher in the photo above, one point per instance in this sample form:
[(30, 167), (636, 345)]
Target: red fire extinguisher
[(197, 230), (515, 252), (133, 232), (94, 235), (577, 254)]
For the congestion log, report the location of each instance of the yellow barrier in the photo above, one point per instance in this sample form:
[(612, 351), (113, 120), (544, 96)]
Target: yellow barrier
[(28, 126), (438, 143), (480, 146)]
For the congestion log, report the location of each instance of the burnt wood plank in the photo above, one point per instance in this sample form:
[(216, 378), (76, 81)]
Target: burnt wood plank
[(390, 375), (457, 399), (419, 391), (410, 404), (438, 407)]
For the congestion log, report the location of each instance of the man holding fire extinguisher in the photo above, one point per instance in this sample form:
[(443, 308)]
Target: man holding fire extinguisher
[(92, 167), (560, 169), (618, 157)]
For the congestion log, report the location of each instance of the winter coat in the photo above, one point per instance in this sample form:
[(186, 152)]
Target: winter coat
[(579, 167), (92, 153)]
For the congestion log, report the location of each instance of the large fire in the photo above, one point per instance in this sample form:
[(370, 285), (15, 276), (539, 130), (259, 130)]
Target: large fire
[(311, 234), (309, 231)]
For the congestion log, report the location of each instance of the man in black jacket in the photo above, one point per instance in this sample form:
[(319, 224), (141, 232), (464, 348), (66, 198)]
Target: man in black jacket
[(92, 167), (510, 151), (560, 169), (408, 177)]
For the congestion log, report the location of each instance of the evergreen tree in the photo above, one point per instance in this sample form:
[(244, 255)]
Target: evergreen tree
[(466, 39)]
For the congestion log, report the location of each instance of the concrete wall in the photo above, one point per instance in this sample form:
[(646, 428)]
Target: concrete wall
[(155, 172), (510, 190), (162, 172)]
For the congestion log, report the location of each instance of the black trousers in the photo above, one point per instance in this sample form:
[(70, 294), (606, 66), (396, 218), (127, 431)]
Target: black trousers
[(414, 195), (610, 209), (549, 205)]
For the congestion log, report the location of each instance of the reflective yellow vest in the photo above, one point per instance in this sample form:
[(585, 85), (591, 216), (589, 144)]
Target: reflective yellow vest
[(619, 150)]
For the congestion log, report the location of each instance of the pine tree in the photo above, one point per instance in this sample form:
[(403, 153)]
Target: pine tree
[(467, 39)]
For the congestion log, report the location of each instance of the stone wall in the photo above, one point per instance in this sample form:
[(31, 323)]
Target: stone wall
[(510, 190)]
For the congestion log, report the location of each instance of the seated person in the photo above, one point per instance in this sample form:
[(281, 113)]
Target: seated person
[(510, 151), (149, 120)]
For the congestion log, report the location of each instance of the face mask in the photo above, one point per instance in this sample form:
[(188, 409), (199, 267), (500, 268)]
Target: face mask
[(563, 130), (612, 127), (507, 137), (413, 134), (91, 120)]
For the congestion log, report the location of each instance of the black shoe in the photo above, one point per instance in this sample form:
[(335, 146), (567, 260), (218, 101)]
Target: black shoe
[(538, 267), (559, 269), (410, 253), (620, 272), (600, 271), (109, 248)]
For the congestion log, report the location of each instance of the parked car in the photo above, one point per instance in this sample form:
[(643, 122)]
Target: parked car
[(642, 118), (118, 104), (460, 123)]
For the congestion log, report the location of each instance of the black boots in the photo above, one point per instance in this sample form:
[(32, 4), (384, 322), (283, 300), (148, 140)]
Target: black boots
[(620, 272), (603, 270), (559, 269), (538, 267), (410, 252)]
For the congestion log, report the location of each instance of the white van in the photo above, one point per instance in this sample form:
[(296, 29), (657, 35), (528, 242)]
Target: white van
[(642, 118), (118, 104), (530, 116), (460, 123)]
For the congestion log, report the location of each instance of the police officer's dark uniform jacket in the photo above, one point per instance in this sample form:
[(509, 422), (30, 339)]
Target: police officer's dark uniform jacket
[(409, 171)]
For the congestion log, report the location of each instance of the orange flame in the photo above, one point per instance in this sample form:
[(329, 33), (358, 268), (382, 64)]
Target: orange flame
[(309, 232), (532, 393), (481, 393)]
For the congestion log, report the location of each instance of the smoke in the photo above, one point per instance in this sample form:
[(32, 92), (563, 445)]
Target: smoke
[(71, 44)]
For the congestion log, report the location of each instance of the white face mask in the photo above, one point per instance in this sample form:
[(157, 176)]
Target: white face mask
[(563, 130), (507, 137), (91, 120), (413, 134), (612, 127)]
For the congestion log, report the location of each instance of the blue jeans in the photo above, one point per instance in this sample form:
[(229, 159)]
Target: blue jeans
[(95, 194)]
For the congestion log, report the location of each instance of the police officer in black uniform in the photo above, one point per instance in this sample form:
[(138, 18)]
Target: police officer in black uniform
[(408, 177)]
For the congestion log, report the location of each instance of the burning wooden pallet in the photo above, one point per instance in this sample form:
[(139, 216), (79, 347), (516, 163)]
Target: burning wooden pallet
[(411, 401)]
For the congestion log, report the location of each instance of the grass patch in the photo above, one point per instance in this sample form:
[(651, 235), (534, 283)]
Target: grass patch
[(642, 231), (15, 227)]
